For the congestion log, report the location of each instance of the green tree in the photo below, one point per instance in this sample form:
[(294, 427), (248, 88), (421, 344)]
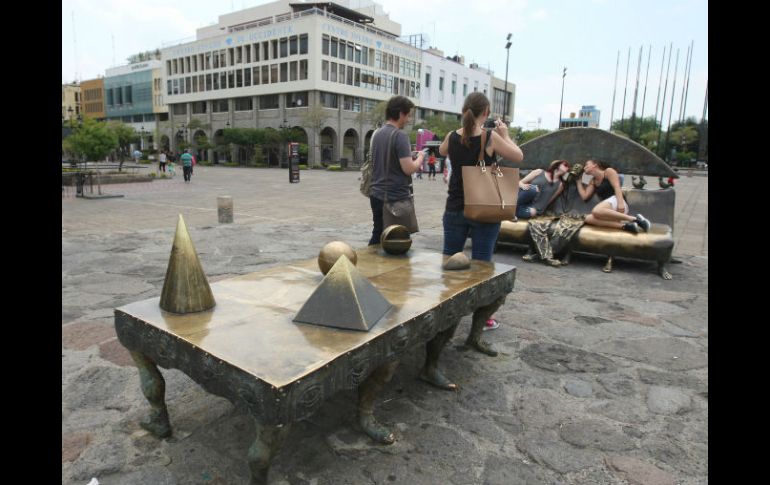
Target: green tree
[(246, 138), (315, 118), (440, 126), (635, 128), (126, 136), (92, 140), (373, 117)]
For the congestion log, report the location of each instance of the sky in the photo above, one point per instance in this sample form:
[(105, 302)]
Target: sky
[(591, 38)]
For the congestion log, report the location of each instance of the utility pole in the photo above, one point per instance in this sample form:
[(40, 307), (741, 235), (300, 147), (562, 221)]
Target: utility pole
[(563, 75)]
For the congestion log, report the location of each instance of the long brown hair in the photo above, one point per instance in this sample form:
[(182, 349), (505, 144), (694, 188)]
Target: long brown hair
[(474, 106)]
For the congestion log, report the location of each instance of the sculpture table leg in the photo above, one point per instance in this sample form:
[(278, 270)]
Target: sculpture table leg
[(480, 317), (430, 372), (663, 272), (367, 392), (154, 389), (265, 445), (608, 265)]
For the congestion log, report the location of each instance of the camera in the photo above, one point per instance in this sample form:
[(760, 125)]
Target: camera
[(490, 123)]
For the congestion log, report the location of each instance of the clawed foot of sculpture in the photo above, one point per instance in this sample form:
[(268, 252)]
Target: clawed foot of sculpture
[(530, 257), (375, 430), (663, 272), (436, 378), (608, 266), (482, 347), (157, 424)]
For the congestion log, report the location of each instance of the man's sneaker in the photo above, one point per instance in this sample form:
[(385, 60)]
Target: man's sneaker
[(491, 324), (643, 222), (631, 227)]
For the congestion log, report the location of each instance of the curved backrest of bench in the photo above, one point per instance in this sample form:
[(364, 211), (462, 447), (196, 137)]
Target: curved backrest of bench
[(580, 144)]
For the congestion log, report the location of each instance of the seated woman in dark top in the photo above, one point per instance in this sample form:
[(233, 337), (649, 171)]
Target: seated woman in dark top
[(612, 211), (539, 188)]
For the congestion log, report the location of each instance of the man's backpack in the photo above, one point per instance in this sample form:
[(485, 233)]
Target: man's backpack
[(366, 174)]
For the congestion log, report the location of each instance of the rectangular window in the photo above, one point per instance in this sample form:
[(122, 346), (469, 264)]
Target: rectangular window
[(343, 49), (325, 45), (216, 80), (465, 92), (274, 49), (247, 76), (181, 85), (350, 52), (208, 82), (329, 100), (187, 85), (231, 56), (441, 87), (247, 51), (268, 101), (303, 44), (349, 77), (293, 45), (180, 109), (454, 90), (284, 46), (222, 58), (168, 68), (230, 79), (296, 100), (427, 85), (284, 72), (256, 51), (357, 81), (216, 60), (273, 73), (195, 63), (111, 103), (333, 46), (265, 74), (176, 66), (199, 107), (239, 54), (333, 72), (293, 71), (255, 75), (195, 84), (357, 53), (303, 69), (239, 78), (130, 94), (219, 106), (208, 60), (223, 80), (201, 81), (244, 104), (365, 56), (187, 63), (265, 50)]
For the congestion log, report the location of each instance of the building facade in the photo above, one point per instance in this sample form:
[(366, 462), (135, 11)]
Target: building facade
[(70, 101), (589, 118), (318, 68), (92, 98), (129, 98)]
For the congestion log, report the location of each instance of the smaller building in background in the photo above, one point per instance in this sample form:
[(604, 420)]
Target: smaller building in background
[(92, 98), (70, 101), (589, 118)]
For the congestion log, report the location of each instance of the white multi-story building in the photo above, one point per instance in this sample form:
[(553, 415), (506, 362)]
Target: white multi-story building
[(446, 83), (268, 66), (319, 68)]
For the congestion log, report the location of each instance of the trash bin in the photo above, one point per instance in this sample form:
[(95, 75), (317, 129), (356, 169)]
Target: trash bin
[(344, 163)]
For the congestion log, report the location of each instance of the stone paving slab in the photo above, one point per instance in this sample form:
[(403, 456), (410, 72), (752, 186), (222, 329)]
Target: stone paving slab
[(601, 379)]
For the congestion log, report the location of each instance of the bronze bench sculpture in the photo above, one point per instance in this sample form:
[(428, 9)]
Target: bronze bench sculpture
[(578, 145), (239, 340)]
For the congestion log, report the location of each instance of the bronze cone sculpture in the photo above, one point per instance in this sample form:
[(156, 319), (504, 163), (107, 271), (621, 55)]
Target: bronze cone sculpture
[(186, 289), (344, 299)]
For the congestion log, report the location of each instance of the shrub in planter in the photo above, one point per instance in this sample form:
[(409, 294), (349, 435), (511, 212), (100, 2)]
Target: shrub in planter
[(303, 167), (334, 168)]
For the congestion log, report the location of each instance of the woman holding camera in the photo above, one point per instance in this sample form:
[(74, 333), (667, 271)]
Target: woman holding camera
[(463, 147)]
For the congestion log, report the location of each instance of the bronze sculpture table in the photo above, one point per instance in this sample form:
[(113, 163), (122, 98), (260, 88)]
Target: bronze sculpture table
[(248, 350)]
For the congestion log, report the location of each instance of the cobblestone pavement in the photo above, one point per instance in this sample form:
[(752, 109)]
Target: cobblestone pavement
[(601, 379)]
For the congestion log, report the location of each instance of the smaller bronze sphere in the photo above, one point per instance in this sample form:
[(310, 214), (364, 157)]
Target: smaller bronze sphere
[(332, 251), (395, 239)]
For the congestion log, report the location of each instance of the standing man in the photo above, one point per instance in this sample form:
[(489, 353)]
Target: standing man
[(391, 174), (162, 162), (186, 159)]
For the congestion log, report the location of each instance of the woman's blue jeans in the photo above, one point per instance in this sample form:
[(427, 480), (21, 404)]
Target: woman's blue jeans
[(457, 229), (525, 201)]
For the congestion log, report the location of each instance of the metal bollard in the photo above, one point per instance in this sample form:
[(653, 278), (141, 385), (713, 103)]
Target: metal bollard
[(225, 208)]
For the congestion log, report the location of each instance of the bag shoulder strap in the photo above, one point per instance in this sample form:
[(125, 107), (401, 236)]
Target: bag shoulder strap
[(486, 136)]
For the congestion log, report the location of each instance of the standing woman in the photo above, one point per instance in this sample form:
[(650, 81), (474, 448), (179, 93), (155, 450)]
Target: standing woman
[(612, 211), (463, 147)]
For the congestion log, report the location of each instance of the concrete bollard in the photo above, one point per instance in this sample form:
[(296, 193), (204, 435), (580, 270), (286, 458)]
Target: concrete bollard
[(225, 209)]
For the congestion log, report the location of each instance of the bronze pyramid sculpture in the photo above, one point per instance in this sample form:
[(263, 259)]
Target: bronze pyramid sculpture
[(344, 299), (186, 289)]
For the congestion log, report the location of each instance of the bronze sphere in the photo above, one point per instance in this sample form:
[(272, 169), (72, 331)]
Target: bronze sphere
[(332, 251), (395, 239)]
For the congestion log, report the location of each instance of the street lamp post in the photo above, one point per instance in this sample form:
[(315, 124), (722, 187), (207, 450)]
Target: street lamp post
[(564, 74), (684, 142), (285, 126), (505, 96)]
